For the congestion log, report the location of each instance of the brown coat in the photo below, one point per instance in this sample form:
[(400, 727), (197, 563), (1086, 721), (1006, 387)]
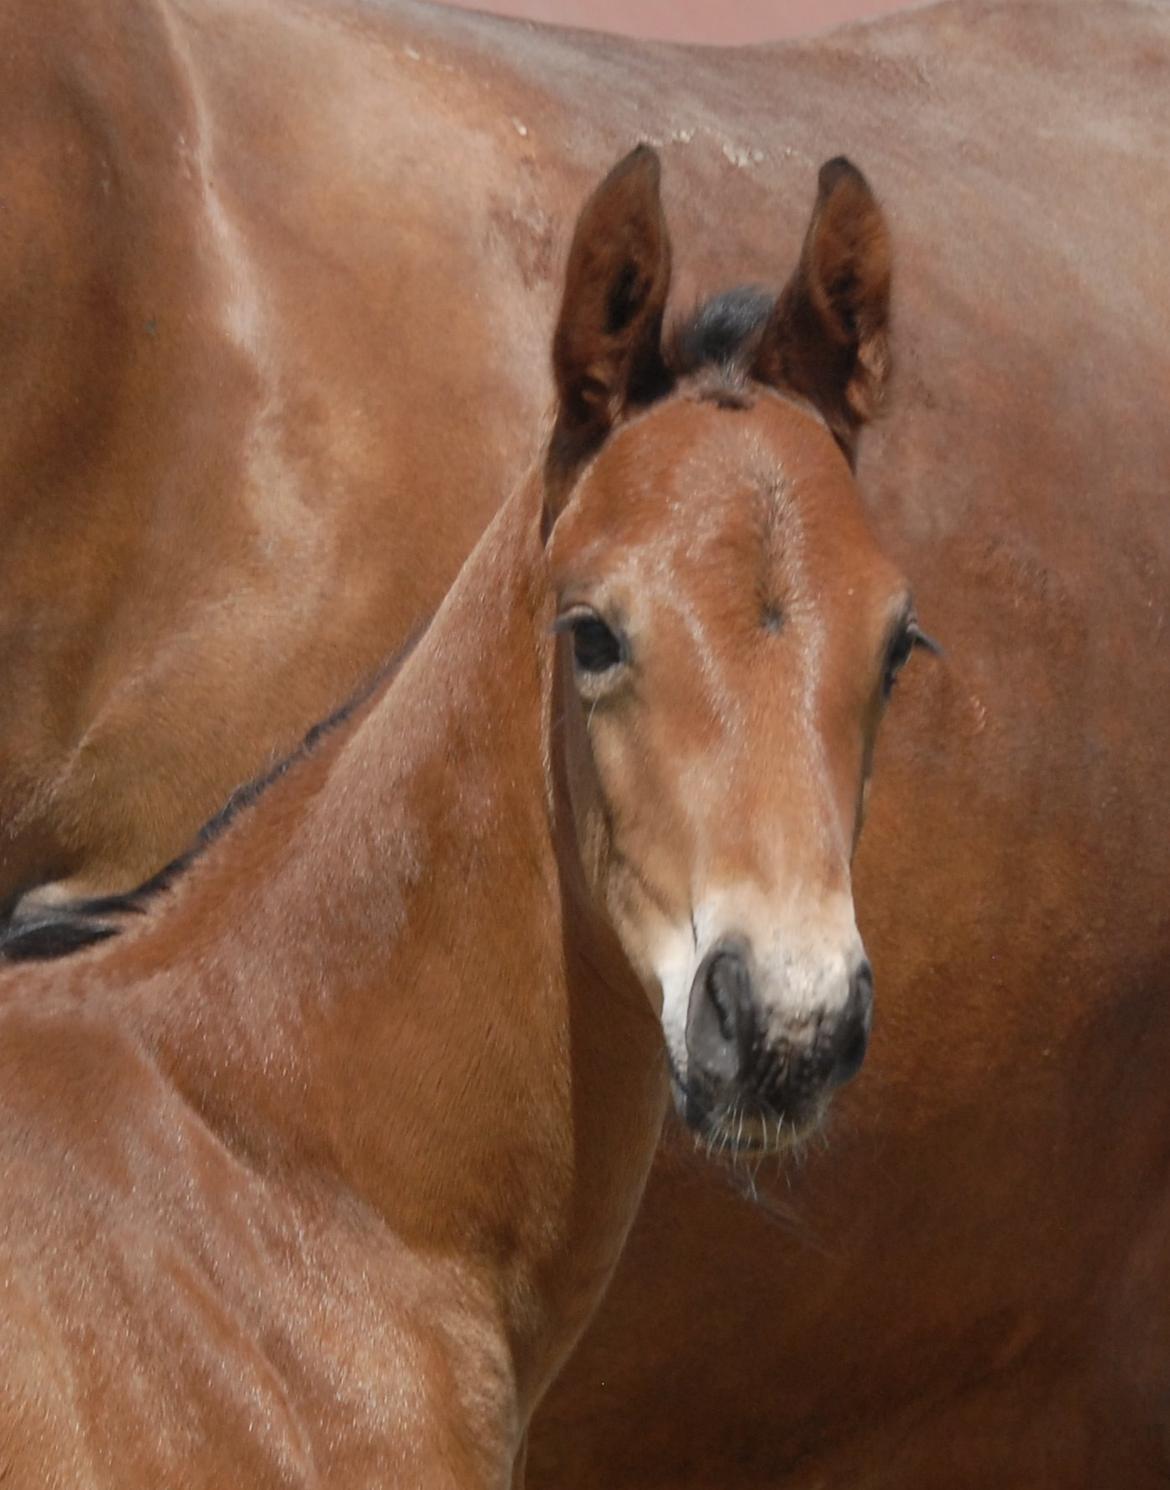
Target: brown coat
[(235, 324)]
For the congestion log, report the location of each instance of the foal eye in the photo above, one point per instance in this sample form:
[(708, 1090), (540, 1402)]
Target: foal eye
[(897, 658), (595, 647)]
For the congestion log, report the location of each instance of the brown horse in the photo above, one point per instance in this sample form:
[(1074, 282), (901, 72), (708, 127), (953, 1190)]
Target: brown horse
[(251, 258), (314, 1176)]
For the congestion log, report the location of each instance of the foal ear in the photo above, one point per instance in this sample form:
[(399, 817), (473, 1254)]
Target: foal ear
[(828, 336), (607, 351)]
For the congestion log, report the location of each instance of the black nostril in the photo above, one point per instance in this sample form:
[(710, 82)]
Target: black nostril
[(861, 988), (719, 1017), (851, 1036), (850, 1053), (726, 979)]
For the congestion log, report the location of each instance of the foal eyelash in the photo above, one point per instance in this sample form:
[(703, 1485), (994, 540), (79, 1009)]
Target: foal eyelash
[(919, 638)]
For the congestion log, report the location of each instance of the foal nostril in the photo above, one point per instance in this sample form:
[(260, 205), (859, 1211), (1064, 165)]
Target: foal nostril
[(851, 1036), (726, 977), (719, 1016)]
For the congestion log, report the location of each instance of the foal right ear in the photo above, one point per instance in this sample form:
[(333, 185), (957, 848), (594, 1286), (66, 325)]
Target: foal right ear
[(607, 351)]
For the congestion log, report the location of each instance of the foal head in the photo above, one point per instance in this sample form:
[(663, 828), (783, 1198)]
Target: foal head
[(731, 635)]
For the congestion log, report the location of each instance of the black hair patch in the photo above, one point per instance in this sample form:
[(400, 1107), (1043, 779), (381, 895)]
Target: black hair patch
[(722, 333)]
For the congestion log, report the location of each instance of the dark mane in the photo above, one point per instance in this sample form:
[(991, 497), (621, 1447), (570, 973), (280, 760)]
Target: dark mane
[(721, 334), (59, 931)]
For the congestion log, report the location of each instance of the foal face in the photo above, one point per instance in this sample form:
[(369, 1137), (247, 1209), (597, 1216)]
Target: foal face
[(733, 631)]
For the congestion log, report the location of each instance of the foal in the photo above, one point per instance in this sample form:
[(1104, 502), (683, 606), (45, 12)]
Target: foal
[(314, 1174)]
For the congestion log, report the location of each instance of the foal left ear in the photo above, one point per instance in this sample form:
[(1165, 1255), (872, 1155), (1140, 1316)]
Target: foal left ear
[(607, 351), (828, 336)]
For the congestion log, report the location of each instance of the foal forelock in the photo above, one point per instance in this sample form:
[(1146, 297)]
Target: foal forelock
[(721, 333)]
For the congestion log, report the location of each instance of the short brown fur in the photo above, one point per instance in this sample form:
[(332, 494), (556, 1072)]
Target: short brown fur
[(272, 248)]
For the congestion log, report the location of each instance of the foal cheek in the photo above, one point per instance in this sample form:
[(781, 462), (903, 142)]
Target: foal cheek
[(587, 798), (647, 858)]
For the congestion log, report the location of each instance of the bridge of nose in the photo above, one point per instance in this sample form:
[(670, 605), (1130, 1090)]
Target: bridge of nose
[(797, 936)]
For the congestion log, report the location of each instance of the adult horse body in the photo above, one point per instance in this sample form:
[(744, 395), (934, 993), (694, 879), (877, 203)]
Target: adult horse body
[(237, 325)]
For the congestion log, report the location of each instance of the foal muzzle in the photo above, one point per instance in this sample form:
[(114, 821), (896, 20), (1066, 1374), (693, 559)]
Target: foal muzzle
[(751, 1068)]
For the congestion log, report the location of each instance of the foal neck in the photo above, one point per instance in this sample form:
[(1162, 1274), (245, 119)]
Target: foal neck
[(463, 1044)]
